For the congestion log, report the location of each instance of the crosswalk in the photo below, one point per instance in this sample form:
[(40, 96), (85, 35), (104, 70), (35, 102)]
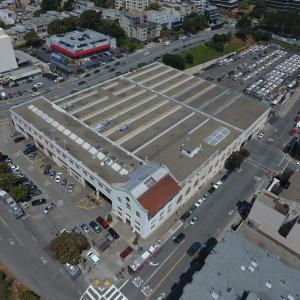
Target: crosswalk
[(111, 293)]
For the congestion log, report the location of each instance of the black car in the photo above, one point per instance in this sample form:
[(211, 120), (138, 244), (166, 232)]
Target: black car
[(211, 190), (81, 82), (194, 248), (95, 226), (38, 202), (114, 234), (179, 238), (185, 216), (96, 71), (29, 149), (117, 63), (19, 139), (47, 169), (111, 70)]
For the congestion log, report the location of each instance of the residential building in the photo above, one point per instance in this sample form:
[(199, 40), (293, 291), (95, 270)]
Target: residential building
[(238, 269), (136, 26), (131, 4), (212, 13), (9, 4), (201, 4), (227, 4), (7, 58), (8, 16), (80, 43), (83, 5), (178, 8), (277, 218), (163, 19), (146, 141), (111, 14)]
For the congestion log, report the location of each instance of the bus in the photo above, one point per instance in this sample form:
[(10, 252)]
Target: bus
[(139, 262)]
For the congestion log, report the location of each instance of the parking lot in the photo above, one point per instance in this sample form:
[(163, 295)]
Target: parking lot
[(260, 71), (58, 203)]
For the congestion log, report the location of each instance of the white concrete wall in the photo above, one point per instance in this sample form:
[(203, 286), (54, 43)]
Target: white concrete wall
[(7, 58)]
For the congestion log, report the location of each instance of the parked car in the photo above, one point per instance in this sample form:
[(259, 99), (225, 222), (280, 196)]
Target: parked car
[(113, 233), (179, 238), (185, 216), (49, 207), (63, 184), (14, 133), (110, 238), (194, 220), (93, 257), (102, 222), (38, 202), (72, 270), (82, 82), (211, 190), (58, 177), (52, 174), (71, 188), (19, 139), (29, 149), (76, 230), (196, 246), (32, 155), (47, 169), (95, 226), (84, 227)]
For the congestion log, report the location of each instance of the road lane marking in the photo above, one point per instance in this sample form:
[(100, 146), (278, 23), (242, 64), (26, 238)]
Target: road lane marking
[(19, 240), (34, 238), (123, 284), (2, 220), (167, 274), (11, 242), (150, 277)]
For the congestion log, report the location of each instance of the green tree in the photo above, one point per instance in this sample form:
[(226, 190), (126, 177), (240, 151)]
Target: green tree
[(67, 247), (174, 60), (260, 9), (2, 25), (5, 288), (194, 23), (244, 25), (3, 167), (7, 181), (32, 39), (29, 295), (90, 19), (189, 59), (153, 6), (19, 192), (235, 159), (69, 5), (244, 5), (64, 25), (47, 5), (104, 3)]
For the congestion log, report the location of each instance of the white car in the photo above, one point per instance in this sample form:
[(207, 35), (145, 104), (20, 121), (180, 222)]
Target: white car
[(193, 220), (197, 204), (58, 177), (230, 212), (298, 163), (93, 257), (219, 183), (146, 53), (260, 135), (199, 201)]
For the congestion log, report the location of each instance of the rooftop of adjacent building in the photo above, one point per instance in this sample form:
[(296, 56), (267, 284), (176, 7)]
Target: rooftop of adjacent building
[(238, 269)]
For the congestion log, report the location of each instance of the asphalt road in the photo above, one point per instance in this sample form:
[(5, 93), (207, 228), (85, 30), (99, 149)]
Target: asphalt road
[(127, 63)]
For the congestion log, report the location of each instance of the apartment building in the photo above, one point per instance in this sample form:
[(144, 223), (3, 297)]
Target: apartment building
[(131, 4)]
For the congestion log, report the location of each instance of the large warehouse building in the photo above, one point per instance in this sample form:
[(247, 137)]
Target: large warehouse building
[(80, 43), (148, 140), (8, 60)]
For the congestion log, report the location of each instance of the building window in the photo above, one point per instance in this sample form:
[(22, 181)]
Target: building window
[(137, 214), (77, 166), (169, 207), (179, 199), (196, 183), (127, 199), (152, 226), (100, 184), (137, 228), (119, 200), (107, 190), (92, 178), (85, 173), (138, 223), (64, 156), (188, 190), (71, 161), (128, 206)]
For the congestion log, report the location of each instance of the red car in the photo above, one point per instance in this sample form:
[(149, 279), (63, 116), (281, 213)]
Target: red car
[(102, 222)]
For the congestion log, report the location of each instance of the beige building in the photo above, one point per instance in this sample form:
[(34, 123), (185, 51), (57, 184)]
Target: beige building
[(148, 141), (136, 26), (278, 218), (131, 4)]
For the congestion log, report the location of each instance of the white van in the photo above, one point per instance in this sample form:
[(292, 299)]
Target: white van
[(93, 257)]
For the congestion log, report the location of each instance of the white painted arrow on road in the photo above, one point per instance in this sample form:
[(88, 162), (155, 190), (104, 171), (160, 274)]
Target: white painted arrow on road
[(153, 264)]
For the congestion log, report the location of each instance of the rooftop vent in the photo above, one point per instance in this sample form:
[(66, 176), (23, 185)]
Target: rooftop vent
[(190, 152), (268, 285)]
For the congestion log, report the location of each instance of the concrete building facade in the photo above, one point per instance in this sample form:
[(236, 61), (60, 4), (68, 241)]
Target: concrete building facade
[(131, 4), (8, 60), (147, 141)]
